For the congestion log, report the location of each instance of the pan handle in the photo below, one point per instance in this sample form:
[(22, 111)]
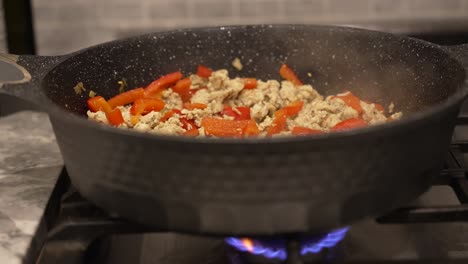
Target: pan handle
[(20, 77)]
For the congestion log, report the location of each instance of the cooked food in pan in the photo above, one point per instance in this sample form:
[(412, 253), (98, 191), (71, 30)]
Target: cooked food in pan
[(210, 103)]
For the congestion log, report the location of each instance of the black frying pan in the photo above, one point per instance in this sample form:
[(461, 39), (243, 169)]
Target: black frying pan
[(255, 186)]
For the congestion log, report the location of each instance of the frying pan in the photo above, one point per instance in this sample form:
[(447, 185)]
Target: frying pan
[(253, 186)]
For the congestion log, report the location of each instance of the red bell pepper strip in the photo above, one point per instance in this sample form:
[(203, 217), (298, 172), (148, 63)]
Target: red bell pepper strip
[(305, 131), (250, 83), (162, 83), (182, 87), (242, 113), (281, 116), (225, 128), (293, 108), (288, 74), (278, 124), (145, 105), (188, 124), (127, 97), (98, 103), (166, 116), (203, 71), (349, 124), (191, 133), (251, 129), (115, 117), (191, 106), (351, 100), (169, 114)]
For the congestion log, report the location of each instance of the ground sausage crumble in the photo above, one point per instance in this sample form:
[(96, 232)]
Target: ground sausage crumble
[(225, 102)]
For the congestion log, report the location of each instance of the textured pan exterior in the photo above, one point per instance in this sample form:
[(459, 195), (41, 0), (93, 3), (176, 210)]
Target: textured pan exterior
[(259, 188)]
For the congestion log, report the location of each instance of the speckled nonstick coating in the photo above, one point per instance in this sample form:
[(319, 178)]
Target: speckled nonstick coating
[(257, 186)]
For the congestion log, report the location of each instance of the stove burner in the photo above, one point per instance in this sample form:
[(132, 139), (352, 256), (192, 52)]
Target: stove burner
[(276, 249)]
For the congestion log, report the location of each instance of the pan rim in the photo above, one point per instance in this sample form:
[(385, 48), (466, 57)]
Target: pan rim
[(378, 130)]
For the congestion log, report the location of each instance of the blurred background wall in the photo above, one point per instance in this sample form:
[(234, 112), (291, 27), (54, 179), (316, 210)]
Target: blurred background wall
[(2, 30), (67, 25)]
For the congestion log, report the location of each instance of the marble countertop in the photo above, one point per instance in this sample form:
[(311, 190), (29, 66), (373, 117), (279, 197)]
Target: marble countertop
[(30, 163)]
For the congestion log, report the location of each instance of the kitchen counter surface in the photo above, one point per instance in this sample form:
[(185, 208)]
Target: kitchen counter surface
[(30, 163)]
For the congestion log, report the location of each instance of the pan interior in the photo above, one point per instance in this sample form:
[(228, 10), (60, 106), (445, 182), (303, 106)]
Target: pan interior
[(377, 67)]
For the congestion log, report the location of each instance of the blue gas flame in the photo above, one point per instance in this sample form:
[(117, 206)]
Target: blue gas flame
[(329, 241), (257, 248)]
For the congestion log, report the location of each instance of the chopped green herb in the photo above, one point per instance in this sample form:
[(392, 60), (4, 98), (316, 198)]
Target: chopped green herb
[(123, 85), (79, 88)]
